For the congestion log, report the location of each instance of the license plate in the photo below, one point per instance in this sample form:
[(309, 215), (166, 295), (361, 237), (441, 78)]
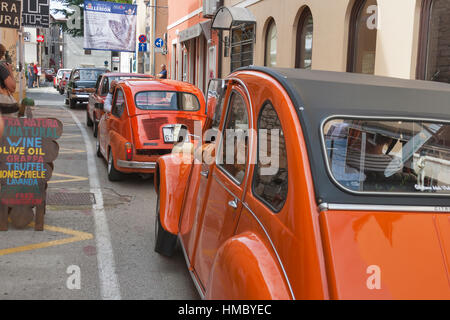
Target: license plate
[(169, 135)]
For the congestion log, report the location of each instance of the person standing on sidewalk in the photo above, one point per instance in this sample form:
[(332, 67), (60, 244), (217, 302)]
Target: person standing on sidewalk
[(163, 73), (35, 72), (38, 76), (30, 75)]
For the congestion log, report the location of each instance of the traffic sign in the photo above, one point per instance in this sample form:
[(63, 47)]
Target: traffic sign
[(142, 47), (40, 38), (142, 38), (159, 43)]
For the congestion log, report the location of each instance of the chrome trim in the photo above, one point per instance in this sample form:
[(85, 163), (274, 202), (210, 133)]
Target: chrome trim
[(396, 208), (197, 284), (274, 249), (250, 145), (136, 164), (225, 187), (374, 118)]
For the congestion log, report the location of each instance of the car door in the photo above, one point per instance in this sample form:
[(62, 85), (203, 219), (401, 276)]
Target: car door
[(93, 98), (228, 178), (114, 119), (192, 213), (110, 121)]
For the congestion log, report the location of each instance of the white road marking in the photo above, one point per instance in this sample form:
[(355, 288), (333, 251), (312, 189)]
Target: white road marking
[(109, 284)]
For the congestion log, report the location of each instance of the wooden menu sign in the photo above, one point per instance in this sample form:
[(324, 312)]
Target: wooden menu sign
[(27, 151)]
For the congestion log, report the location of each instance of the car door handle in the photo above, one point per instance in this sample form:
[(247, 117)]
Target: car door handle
[(204, 173), (233, 204)]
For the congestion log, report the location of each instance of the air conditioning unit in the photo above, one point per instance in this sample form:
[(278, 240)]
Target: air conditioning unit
[(210, 7)]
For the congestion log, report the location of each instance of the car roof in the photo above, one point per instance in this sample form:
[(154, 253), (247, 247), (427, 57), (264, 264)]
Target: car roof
[(160, 84), (323, 93), (120, 74), (319, 95)]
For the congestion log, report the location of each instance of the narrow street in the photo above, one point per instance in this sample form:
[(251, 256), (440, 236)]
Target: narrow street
[(111, 244)]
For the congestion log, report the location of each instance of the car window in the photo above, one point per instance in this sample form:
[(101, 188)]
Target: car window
[(233, 152), (119, 104), (167, 100), (216, 99), (90, 74), (389, 156), (76, 75), (270, 180)]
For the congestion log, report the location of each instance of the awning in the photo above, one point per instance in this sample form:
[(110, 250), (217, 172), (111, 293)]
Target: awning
[(196, 31), (227, 17)]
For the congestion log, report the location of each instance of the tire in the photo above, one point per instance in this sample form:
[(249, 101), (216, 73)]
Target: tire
[(113, 174), (89, 122), (99, 153), (72, 103), (95, 130), (165, 242)]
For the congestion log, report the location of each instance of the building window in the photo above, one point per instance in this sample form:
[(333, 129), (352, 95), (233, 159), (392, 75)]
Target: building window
[(303, 56), (271, 45), (434, 49), (87, 52), (362, 37), (242, 44)]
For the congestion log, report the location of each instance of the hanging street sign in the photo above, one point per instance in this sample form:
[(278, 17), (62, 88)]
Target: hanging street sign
[(36, 13), (142, 47), (10, 13), (159, 43), (142, 38)]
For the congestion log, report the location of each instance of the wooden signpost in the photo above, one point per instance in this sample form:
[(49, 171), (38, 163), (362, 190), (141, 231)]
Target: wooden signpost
[(27, 151)]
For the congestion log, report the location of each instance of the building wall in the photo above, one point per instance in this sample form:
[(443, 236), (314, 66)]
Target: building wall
[(74, 54), (194, 60), (397, 36)]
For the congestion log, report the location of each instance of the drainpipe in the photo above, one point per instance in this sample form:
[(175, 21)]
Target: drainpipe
[(154, 38)]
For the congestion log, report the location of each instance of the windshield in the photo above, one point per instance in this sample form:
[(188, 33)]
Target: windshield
[(167, 100), (389, 156), (90, 75)]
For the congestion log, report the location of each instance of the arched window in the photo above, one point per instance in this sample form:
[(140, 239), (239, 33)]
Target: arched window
[(362, 37), (434, 44), (271, 45), (303, 55)]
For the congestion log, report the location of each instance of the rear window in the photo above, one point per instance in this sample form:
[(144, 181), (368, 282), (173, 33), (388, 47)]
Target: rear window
[(90, 75), (388, 156), (167, 100)]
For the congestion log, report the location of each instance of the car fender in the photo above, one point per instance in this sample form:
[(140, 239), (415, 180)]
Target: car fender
[(117, 145), (246, 269), (171, 180)]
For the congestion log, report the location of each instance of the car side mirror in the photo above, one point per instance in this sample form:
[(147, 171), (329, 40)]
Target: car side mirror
[(99, 106)]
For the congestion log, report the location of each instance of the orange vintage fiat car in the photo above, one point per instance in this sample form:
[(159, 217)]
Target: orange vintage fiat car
[(313, 185), (147, 117)]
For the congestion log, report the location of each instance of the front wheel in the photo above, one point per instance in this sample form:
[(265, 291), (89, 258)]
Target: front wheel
[(72, 103), (165, 242), (95, 130), (89, 122)]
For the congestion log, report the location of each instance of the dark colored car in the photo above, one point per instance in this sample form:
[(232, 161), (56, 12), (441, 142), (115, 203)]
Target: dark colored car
[(94, 110), (81, 84), (49, 74)]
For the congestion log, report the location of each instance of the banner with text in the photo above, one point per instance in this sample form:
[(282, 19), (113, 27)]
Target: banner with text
[(10, 13), (36, 13), (109, 26)]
